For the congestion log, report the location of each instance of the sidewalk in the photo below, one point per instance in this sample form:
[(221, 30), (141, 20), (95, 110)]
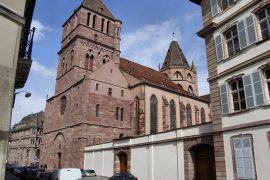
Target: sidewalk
[(10, 176)]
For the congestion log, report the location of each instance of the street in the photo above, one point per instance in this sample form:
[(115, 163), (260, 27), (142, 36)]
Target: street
[(94, 178)]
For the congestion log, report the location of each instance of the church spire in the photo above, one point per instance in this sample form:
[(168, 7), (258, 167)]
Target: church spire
[(175, 56)]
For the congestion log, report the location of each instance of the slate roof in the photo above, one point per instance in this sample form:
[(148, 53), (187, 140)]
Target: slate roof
[(99, 7), (175, 57), (147, 74)]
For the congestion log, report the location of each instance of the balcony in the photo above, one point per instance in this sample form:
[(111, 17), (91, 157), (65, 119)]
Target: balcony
[(25, 59)]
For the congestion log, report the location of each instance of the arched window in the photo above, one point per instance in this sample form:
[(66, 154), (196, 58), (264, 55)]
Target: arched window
[(197, 114), (137, 120), (89, 62), (189, 78), (108, 27), (178, 75), (182, 114), (189, 115), (87, 58), (94, 21), (88, 19), (122, 114), (97, 110), (117, 113), (172, 115), (203, 115), (102, 25), (153, 114), (63, 105), (190, 89), (181, 87)]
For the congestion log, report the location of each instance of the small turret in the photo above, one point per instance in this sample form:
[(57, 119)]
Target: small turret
[(193, 67)]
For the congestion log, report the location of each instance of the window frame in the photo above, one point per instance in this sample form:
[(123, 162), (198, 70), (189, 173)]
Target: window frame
[(238, 90), (153, 117), (265, 82), (241, 136), (189, 115), (203, 116), (258, 21), (229, 4), (232, 38)]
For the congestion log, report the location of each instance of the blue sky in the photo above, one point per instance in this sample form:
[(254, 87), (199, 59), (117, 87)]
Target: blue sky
[(146, 34)]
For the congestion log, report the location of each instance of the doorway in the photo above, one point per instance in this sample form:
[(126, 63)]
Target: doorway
[(123, 162), (205, 162)]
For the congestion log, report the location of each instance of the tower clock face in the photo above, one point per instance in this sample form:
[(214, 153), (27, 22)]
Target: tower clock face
[(63, 104)]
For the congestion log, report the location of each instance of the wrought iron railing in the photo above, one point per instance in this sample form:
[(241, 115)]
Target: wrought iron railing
[(27, 45)]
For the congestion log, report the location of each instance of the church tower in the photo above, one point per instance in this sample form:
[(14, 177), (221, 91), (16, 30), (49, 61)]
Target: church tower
[(177, 68), (91, 38)]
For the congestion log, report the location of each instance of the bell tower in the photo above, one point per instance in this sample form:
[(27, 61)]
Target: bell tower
[(91, 38), (177, 68)]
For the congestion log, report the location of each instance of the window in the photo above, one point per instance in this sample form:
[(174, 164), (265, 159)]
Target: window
[(122, 114), (182, 114), (88, 19), (94, 21), (189, 115), (110, 92), (117, 113), (108, 27), (232, 41), (102, 25), (203, 115), (95, 37), (137, 116), (190, 89), (97, 110), (122, 93), (264, 21), (63, 104), (178, 75), (267, 81), (172, 115), (238, 95), (153, 114), (189, 78), (97, 86), (243, 157), (197, 114), (89, 61), (227, 3)]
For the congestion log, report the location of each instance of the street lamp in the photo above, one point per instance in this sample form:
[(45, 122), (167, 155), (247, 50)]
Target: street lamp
[(27, 94)]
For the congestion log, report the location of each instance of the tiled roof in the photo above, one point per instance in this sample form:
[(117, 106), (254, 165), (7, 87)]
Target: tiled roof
[(205, 97), (99, 7), (175, 57), (148, 75)]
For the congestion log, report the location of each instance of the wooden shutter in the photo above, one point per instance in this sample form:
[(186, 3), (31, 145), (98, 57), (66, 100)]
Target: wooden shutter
[(249, 91), (258, 88), (242, 34), (251, 30), (224, 99), (214, 7), (219, 48)]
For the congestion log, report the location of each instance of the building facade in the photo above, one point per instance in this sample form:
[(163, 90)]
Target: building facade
[(237, 42), (15, 20), (25, 140), (100, 97)]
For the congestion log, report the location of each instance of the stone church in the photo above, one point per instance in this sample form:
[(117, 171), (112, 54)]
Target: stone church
[(101, 97)]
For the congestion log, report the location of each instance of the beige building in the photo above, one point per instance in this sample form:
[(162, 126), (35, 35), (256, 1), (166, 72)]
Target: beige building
[(25, 140), (15, 20), (237, 34)]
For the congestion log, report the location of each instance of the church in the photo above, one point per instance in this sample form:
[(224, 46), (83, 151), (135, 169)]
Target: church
[(110, 114)]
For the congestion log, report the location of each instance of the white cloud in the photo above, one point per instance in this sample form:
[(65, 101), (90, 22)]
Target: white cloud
[(149, 44), (40, 29), (43, 70)]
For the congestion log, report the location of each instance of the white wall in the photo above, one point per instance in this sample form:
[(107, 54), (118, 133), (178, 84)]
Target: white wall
[(261, 151)]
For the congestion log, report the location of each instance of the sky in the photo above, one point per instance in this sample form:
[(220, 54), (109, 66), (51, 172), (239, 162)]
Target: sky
[(147, 28)]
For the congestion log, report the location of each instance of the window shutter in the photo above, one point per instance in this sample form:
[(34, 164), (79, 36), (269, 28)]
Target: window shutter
[(224, 99), (249, 91), (242, 34), (258, 89), (214, 7), (251, 30), (219, 48)]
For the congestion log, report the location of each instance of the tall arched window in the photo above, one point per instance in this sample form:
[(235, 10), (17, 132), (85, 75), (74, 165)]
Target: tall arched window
[(172, 115), (88, 19), (102, 25), (182, 114), (153, 114), (94, 21), (91, 63), (87, 59), (197, 114), (117, 113), (178, 75), (108, 27), (137, 120), (189, 115), (203, 115), (189, 77), (122, 114)]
